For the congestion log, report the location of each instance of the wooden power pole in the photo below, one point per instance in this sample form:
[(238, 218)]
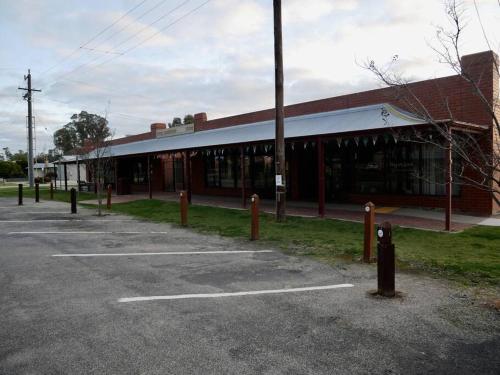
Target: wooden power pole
[(279, 148)]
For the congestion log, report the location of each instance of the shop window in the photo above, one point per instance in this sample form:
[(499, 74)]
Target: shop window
[(263, 171), (212, 171), (139, 173), (405, 167), (227, 171), (221, 170)]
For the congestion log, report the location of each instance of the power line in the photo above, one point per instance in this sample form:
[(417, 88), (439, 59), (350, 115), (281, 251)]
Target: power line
[(152, 23), (107, 92), (68, 103), (140, 31), (114, 23), (138, 44), (92, 38), (128, 24)]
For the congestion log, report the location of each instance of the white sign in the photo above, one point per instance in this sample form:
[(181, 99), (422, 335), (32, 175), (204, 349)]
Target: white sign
[(380, 233), (279, 180), (176, 130)]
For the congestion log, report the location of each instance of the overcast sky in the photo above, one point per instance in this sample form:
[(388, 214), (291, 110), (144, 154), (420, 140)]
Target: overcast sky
[(168, 58)]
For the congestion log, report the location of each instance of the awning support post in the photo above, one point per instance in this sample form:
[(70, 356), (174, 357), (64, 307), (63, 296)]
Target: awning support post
[(321, 177), (449, 181), (243, 177), (150, 176), (65, 177), (187, 174)]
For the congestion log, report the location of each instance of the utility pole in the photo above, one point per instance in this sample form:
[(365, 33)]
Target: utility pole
[(279, 148), (27, 97)]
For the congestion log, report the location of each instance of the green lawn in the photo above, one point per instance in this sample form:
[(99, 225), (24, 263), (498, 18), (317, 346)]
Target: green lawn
[(471, 256), (59, 195)]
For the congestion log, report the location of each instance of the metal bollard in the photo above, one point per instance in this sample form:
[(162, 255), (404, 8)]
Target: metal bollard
[(37, 193), (255, 218), (184, 207), (73, 200), (369, 232), (20, 194), (51, 191), (385, 261), (108, 201)]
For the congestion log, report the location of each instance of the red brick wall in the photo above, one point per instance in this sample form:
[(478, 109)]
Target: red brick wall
[(132, 138), (439, 96)]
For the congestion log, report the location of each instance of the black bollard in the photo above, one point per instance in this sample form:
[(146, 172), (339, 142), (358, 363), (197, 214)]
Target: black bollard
[(20, 194), (385, 261), (37, 193), (73, 200), (184, 208), (254, 229)]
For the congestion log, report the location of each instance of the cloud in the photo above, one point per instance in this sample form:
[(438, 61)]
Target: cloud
[(218, 60), (297, 11)]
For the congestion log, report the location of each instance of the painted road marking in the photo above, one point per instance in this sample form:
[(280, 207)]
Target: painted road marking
[(42, 212), (235, 294), (58, 220), (86, 232), (166, 253)]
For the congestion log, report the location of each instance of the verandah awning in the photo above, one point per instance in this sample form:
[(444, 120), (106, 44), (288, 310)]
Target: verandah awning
[(373, 117)]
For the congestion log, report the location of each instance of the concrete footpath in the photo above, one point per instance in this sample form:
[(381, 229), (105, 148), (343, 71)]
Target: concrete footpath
[(82, 294), (420, 218)]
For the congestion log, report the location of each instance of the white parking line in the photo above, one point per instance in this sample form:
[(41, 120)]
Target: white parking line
[(85, 232), (58, 220), (235, 294), (43, 212), (165, 253)]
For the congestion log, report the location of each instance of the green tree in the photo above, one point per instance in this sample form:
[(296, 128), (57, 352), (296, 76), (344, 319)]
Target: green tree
[(83, 126), (10, 169), (188, 119), (175, 122), (21, 159), (7, 153)]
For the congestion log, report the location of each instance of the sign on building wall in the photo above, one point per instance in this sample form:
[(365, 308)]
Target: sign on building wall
[(176, 130)]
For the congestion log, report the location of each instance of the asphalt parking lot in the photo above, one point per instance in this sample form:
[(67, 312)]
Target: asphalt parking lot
[(82, 294)]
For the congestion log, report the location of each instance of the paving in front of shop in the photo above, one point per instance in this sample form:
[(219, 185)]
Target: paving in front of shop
[(429, 219), (83, 294)]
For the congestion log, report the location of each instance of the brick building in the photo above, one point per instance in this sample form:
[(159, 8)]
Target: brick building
[(351, 148)]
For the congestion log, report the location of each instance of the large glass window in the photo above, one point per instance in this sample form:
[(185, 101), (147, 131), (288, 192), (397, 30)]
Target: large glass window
[(227, 164), (386, 167), (221, 169), (263, 172), (139, 173), (369, 168)]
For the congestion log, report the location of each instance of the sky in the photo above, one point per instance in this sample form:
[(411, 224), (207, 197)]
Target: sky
[(143, 61)]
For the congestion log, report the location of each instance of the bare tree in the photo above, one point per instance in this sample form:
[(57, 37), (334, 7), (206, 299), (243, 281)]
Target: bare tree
[(95, 152), (475, 145)]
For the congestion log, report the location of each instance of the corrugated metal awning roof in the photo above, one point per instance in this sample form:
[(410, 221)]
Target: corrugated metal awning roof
[(372, 117)]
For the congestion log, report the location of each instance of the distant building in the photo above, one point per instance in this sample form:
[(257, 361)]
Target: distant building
[(67, 171), (40, 170)]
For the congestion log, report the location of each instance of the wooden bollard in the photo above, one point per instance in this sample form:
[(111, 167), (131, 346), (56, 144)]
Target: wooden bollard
[(385, 261), (20, 194), (254, 235), (369, 232), (184, 208), (37, 193), (108, 200), (51, 191), (73, 200)]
